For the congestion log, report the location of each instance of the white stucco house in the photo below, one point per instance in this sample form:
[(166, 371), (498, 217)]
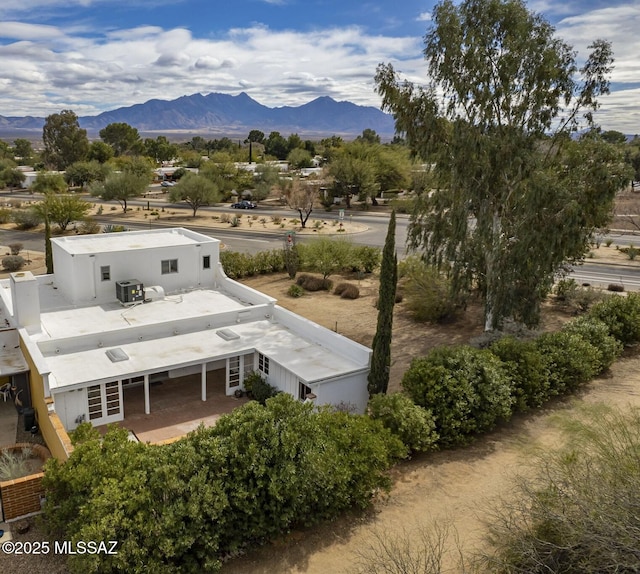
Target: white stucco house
[(142, 306)]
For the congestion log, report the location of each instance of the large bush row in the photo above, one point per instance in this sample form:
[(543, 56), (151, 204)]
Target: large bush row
[(322, 255), (186, 506), (238, 265), (468, 390)]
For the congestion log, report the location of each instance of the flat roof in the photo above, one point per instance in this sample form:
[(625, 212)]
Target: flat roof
[(306, 359), (99, 319), (127, 240)]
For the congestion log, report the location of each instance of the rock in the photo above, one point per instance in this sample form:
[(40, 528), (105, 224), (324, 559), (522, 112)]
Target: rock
[(22, 526)]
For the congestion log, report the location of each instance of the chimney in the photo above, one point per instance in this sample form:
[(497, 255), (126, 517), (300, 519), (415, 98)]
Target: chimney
[(26, 301)]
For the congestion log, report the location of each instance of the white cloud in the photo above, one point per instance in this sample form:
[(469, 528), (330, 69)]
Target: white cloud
[(129, 66), (424, 17)]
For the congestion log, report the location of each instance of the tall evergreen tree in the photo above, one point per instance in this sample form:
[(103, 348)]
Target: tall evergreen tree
[(378, 381)]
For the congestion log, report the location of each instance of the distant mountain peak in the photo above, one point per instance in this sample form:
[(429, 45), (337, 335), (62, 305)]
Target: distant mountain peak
[(225, 114)]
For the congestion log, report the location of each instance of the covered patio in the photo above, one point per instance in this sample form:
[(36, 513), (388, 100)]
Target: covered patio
[(177, 407)]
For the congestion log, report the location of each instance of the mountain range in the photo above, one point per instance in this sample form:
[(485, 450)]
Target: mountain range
[(224, 114)]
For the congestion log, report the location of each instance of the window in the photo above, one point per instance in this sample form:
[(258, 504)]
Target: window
[(169, 266), (303, 391), (105, 273), (263, 364), (206, 262)]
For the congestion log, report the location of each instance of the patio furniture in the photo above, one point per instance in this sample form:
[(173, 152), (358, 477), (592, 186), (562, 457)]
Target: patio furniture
[(5, 391)]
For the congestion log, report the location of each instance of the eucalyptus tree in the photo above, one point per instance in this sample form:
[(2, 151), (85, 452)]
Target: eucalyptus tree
[(514, 198)]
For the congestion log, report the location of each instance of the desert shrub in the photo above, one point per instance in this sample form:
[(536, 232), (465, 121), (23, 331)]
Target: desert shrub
[(579, 297), (467, 390), (572, 360), (15, 463), (313, 283), (578, 513), (565, 290), (427, 294), (16, 248), (13, 263), (527, 369), (597, 333), (5, 215), (398, 298), (366, 258), (631, 252), (235, 221), (295, 291), (26, 219), (621, 315), (89, 226), (615, 287), (347, 291), (412, 424), (111, 228), (225, 218)]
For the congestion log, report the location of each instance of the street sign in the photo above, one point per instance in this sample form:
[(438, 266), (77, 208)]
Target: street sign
[(341, 214)]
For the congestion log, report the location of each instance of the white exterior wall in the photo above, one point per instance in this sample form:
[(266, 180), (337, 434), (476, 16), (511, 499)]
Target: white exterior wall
[(79, 275), (351, 390), (70, 405), (282, 379)]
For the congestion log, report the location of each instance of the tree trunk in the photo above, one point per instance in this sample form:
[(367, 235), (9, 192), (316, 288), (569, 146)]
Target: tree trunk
[(490, 273)]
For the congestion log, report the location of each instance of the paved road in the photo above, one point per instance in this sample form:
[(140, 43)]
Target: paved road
[(596, 274)]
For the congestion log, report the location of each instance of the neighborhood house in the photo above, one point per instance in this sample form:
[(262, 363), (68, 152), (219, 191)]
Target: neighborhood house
[(141, 307)]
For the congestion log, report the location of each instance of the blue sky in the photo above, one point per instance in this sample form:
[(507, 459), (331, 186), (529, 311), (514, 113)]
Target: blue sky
[(96, 55)]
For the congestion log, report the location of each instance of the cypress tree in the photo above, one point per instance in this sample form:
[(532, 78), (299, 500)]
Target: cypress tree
[(378, 380)]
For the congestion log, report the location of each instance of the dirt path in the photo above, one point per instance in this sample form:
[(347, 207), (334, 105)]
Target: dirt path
[(456, 486)]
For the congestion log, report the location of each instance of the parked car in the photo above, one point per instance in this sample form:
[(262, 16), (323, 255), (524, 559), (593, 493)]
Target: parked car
[(244, 204), (168, 183)]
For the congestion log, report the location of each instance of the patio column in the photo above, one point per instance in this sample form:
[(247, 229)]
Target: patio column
[(204, 381), (147, 405)]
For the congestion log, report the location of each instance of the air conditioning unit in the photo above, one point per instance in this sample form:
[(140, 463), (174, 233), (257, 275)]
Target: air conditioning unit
[(130, 291), (154, 293)]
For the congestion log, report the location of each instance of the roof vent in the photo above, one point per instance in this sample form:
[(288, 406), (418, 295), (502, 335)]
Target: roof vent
[(116, 355), (227, 334)]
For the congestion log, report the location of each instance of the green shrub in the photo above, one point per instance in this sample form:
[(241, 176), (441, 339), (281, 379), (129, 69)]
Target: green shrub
[(527, 369), (565, 290), (13, 263), (615, 287), (16, 248), (237, 265), (26, 219), (621, 315), (466, 389), (183, 507), (572, 360), (295, 291), (5, 215), (427, 294), (347, 291), (412, 424), (258, 388), (366, 258), (597, 333)]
